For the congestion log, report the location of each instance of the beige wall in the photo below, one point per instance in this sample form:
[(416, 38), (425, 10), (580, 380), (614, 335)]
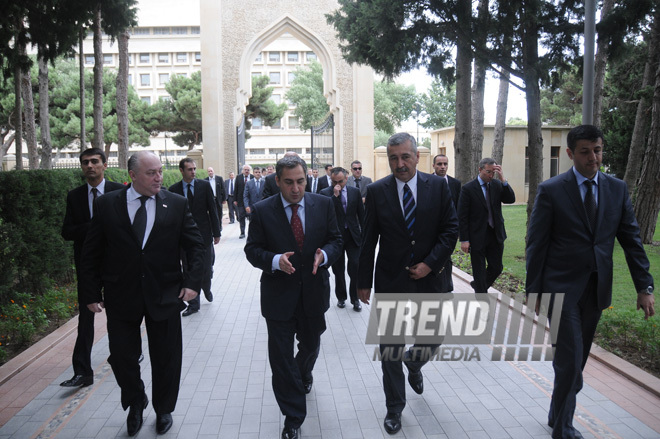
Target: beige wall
[(513, 161)]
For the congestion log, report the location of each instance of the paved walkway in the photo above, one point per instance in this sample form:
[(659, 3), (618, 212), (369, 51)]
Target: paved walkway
[(226, 390)]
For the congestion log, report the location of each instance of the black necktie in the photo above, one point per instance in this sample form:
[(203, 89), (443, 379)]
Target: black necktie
[(314, 186), (95, 193), (140, 220), (231, 187), (491, 222), (357, 183), (590, 203), (191, 196)]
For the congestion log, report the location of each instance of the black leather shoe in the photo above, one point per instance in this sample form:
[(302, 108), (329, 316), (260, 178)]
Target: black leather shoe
[(209, 296), (189, 311), (392, 423), (231, 222), (163, 423), (341, 304), (78, 381), (135, 419), (416, 380), (241, 236), (307, 384), (290, 433), (356, 306)]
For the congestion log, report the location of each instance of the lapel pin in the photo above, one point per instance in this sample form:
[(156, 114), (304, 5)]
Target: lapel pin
[(165, 206)]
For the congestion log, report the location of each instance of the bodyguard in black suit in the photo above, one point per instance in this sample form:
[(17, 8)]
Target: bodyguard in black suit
[(241, 180), (219, 194), (570, 240), (230, 187), (293, 238), (131, 266), (204, 212), (482, 223), (79, 204), (440, 166), (350, 218), (410, 215)]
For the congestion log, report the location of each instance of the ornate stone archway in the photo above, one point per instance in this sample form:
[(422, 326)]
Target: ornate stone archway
[(233, 32)]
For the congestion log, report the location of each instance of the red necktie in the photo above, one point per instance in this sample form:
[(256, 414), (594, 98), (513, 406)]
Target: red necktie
[(296, 226)]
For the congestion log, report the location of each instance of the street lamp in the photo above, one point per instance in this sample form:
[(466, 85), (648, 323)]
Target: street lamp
[(417, 117)]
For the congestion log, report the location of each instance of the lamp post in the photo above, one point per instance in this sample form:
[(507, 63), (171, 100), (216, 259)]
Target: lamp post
[(418, 116)]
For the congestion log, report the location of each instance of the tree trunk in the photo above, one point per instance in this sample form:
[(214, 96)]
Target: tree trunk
[(122, 101), (106, 148), (44, 116), (4, 147), (463, 135), (18, 111), (600, 64), (28, 115), (500, 118), (478, 89), (98, 80), (647, 204), (83, 118), (636, 152)]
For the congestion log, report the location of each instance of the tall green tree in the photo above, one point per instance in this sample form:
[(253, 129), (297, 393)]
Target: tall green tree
[(393, 104), (439, 102), (184, 110), (262, 106), (306, 93), (562, 104)]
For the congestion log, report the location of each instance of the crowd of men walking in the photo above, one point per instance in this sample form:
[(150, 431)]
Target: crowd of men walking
[(142, 252)]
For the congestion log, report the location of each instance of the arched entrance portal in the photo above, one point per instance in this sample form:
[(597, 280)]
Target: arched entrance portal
[(233, 33)]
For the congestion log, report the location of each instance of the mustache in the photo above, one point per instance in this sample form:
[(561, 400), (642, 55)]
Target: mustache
[(402, 169)]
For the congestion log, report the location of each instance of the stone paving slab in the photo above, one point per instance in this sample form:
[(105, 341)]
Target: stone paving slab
[(226, 389)]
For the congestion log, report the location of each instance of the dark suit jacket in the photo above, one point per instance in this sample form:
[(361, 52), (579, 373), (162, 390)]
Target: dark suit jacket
[(323, 183), (220, 193), (562, 251), (455, 189), (354, 216), (250, 195), (203, 209), (77, 220), (435, 233), (270, 234), (116, 270), (473, 213), (239, 188)]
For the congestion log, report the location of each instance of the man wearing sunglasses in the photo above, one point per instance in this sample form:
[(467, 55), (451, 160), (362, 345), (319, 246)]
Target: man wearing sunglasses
[(357, 180)]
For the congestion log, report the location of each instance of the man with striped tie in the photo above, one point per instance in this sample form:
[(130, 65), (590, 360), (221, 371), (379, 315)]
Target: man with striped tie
[(413, 215)]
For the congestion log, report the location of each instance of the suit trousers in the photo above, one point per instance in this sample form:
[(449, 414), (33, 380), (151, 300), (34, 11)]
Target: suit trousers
[(209, 258), (82, 351), (231, 209), (165, 351), (447, 279), (394, 383), (491, 252), (288, 372), (575, 335), (352, 251), (241, 218)]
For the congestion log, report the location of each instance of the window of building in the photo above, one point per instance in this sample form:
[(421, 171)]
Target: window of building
[(273, 56), (180, 31), (259, 57), (198, 57), (275, 77), (256, 74), (293, 122), (130, 59), (145, 58), (277, 124), (89, 59), (145, 79), (162, 31), (257, 123), (311, 56), (194, 30), (290, 77), (181, 57), (292, 56), (554, 161), (163, 58), (146, 99), (107, 59), (276, 98), (165, 98), (163, 78), (141, 31), (183, 75), (256, 151), (130, 79)]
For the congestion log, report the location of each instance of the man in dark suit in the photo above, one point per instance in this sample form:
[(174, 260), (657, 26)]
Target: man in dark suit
[(131, 266), (314, 182), (482, 223), (241, 181), (293, 238), (230, 187), (253, 190), (349, 210), (570, 240), (326, 181), (411, 217), (204, 212), (440, 166), (79, 212), (357, 180), (219, 194)]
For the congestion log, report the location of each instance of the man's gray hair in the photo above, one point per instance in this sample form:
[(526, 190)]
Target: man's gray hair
[(486, 161), (400, 139), (289, 162), (134, 160), (338, 170)]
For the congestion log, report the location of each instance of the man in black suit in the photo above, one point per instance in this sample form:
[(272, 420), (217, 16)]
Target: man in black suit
[(440, 166), (230, 187), (131, 266), (350, 217), (570, 240), (314, 182), (204, 212), (410, 215), (241, 181), (293, 238), (482, 223), (79, 212), (219, 194), (326, 181)]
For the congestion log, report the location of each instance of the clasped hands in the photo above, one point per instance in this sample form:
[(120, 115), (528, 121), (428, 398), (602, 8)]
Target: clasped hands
[(287, 267)]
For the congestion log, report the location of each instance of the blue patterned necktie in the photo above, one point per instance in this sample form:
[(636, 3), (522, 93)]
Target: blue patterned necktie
[(409, 209)]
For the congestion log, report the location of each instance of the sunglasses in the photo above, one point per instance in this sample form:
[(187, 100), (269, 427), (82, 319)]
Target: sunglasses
[(357, 169)]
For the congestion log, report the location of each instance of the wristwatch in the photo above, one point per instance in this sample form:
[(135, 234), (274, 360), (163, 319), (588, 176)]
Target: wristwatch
[(647, 290)]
